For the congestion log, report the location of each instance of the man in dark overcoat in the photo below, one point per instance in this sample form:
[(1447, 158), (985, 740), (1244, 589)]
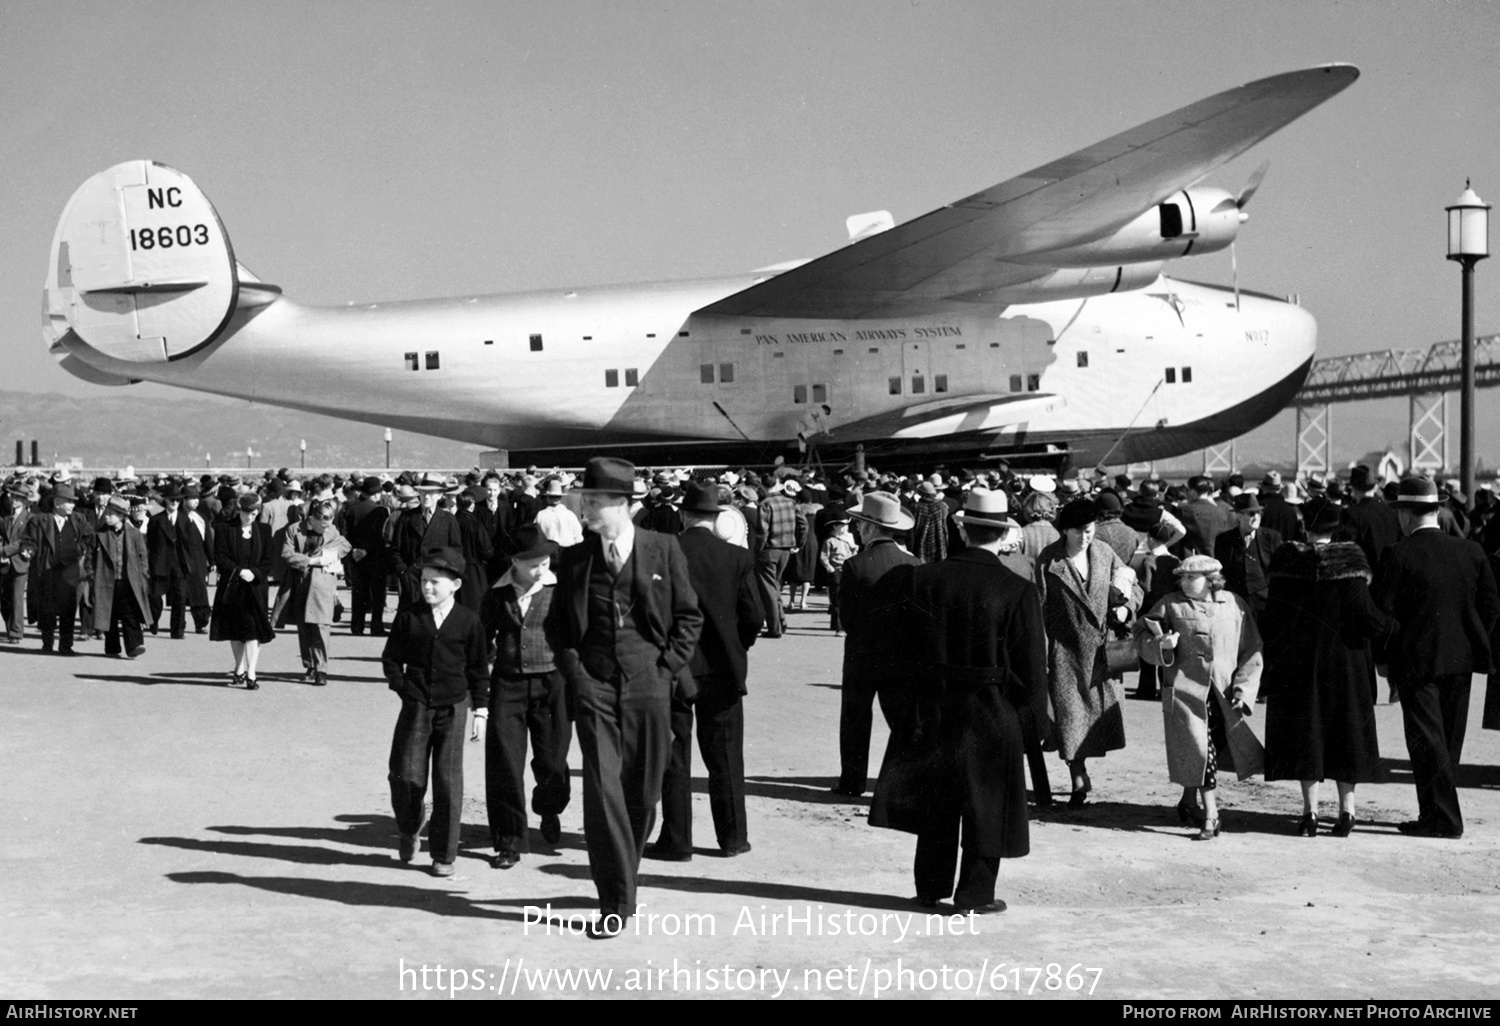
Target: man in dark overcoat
[(168, 582), (418, 532), (364, 520), (624, 622), (15, 560), (60, 542), (1245, 552), (955, 775), (119, 580), (1442, 592), (871, 597), (1368, 521), (1203, 518), (723, 578), (195, 549)]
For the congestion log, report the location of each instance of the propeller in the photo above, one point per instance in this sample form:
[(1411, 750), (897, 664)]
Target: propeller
[(1238, 203)]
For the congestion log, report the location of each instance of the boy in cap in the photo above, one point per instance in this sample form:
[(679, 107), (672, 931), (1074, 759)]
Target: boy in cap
[(119, 581), (527, 694), (434, 659)]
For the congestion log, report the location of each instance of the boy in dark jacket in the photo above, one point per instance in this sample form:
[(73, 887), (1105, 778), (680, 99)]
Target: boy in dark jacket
[(434, 659)]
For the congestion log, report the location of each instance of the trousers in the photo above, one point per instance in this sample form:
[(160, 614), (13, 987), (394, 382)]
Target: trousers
[(13, 603), (1435, 716), (124, 622), (312, 642), (429, 735), (770, 566), (721, 741), (534, 704), (856, 720), (625, 735), (366, 596), (937, 854)]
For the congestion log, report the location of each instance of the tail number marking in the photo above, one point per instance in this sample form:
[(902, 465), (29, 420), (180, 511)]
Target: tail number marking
[(167, 236)]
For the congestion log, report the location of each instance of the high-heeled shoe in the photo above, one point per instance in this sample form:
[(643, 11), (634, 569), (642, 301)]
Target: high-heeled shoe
[(1307, 826), (236, 679), (1344, 826), (1210, 830), (251, 684), (1189, 815)]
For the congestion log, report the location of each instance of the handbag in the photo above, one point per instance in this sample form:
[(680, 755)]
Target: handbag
[(1122, 656)]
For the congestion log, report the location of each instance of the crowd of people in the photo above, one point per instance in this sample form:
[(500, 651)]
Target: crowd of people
[(991, 615)]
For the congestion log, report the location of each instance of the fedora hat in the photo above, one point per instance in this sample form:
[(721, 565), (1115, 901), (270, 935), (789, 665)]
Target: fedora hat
[(610, 476), (1247, 502), (406, 493), (63, 492), (118, 504), (449, 560), (883, 510), (986, 509), (701, 497), (1322, 516), (638, 489), (554, 488), (432, 483), (1417, 493), (534, 544)]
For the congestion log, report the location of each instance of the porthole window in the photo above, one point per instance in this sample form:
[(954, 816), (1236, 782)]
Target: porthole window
[(432, 361), (611, 379)]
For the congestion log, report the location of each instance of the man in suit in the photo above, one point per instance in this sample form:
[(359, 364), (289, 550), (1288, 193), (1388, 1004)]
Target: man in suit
[(60, 542), (723, 578), (1367, 520), (871, 595), (954, 773), (1245, 552), (15, 560), (195, 545), (434, 659), (364, 523), (93, 513), (168, 583), (1202, 517), (1442, 591), (624, 622), (420, 531), (496, 513)]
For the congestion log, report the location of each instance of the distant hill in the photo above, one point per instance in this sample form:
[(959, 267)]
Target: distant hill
[(116, 429)]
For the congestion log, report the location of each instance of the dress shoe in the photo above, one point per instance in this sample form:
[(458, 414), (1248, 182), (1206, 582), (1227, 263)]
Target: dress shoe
[(320, 680), (551, 828), (1307, 826), (735, 850), (988, 908), (1210, 830), (1077, 799), (66, 650), (607, 926), (846, 792), (662, 854), (442, 869), (1419, 828), (928, 902), (251, 684), (178, 635), (504, 859), (200, 630), (152, 628), (136, 653), (377, 632), (412, 843), (1345, 826), (47, 648), (1189, 815)]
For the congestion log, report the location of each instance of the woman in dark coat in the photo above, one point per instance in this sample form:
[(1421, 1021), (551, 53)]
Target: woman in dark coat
[(243, 555), (1318, 627)]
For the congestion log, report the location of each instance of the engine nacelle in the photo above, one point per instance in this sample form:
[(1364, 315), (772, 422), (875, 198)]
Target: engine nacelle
[(1079, 283), (141, 269), (1186, 223)]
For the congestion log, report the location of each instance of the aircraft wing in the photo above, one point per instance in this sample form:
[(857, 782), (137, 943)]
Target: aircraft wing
[(968, 248), (953, 416)]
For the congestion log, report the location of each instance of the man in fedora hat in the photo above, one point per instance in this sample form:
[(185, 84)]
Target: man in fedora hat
[(195, 542), (364, 525), (1442, 592), (783, 528), (527, 694), (168, 584), (93, 512), (15, 558), (1203, 518), (60, 542), (871, 596), (434, 659), (1368, 521), (723, 578), (420, 530), (954, 773), (624, 622), (1245, 552)]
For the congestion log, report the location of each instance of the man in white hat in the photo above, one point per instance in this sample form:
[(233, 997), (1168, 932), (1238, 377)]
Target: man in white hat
[(954, 772), (556, 522), (871, 592)]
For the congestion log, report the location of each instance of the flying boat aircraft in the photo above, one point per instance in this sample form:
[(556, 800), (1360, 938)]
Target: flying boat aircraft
[(1030, 319)]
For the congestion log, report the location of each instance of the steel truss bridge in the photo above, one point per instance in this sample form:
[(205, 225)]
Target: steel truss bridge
[(1426, 377)]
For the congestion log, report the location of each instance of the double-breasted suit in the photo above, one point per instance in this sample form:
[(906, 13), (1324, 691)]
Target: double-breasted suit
[(959, 760), (416, 535), (60, 562), (622, 640), (1442, 592), (723, 578), (1247, 564)]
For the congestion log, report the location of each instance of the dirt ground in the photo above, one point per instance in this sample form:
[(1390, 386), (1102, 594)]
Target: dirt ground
[(170, 837)]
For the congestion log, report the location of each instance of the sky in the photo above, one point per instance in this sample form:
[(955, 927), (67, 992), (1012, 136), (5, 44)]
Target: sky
[(380, 151)]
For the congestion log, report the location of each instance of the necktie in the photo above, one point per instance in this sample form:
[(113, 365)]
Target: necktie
[(615, 562)]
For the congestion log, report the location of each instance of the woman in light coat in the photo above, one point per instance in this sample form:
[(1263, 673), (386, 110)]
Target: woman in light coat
[(1077, 576), (1206, 642), (313, 553)]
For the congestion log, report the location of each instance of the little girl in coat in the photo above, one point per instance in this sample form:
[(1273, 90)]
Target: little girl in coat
[(1206, 642)]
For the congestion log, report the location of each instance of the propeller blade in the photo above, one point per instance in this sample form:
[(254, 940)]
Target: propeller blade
[(1252, 184)]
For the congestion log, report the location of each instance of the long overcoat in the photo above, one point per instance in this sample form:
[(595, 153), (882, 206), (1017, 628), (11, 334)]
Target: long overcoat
[(479, 552), (960, 757), (1319, 678), (1217, 659), (1087, 719), (310, 591), (49, 582), (110, 550), (239, 612), (196, 551)]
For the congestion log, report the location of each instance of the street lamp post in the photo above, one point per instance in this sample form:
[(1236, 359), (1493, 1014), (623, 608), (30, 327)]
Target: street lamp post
[(1468, 243), (249, 455), (387, 448), (303, 446)]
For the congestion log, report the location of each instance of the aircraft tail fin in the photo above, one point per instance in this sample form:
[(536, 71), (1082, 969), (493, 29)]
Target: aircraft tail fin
[(141, 268)]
